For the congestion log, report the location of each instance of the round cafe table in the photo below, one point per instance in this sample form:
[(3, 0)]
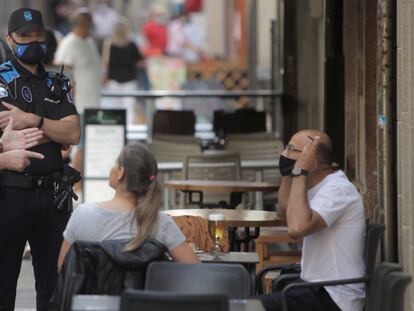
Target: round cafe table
[(234, 219), (235, 188)]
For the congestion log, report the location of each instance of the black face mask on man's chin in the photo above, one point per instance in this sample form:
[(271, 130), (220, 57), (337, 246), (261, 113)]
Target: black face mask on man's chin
[(286, 165)]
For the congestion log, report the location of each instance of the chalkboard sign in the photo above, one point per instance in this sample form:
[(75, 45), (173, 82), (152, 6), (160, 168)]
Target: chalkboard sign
[(104, 132)]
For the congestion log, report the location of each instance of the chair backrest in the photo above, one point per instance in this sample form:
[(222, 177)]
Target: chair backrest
[(252, 149), (166, 151), (174, 122), (377, 288), (251, 136), (374, 232), (239, 121), (190, 139), (217, 165), (132, 300), (220, 165), (396, 283), (259, 149), (231, 280)]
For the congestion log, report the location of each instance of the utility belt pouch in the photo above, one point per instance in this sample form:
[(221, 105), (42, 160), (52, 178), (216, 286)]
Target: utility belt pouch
[(63, 190)]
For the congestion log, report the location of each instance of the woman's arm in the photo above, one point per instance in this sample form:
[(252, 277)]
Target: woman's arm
[(184, 253), (63, 250)]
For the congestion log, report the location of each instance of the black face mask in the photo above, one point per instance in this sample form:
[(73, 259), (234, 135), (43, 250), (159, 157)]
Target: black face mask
[(30, 53), (286, 165)]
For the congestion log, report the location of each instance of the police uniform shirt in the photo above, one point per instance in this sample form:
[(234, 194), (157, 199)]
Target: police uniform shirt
[(32, 93)]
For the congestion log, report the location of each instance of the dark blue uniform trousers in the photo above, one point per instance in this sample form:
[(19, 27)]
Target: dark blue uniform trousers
[(29, 215)]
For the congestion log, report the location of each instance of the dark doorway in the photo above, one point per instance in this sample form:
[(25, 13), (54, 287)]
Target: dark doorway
[(334, 81)]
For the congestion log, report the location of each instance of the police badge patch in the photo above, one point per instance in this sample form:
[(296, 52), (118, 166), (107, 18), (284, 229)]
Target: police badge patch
[(27, 95), (3, 91)]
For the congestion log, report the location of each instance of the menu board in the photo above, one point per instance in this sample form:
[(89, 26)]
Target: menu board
[(105, 136)]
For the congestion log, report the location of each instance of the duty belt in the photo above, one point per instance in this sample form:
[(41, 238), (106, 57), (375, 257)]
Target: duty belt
[(26, 181)]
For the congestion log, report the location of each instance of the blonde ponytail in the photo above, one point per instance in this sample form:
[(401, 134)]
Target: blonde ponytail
[(140, 171), (146, 215)]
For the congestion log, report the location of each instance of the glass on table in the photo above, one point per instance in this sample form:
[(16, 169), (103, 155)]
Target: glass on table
[(216, 230)]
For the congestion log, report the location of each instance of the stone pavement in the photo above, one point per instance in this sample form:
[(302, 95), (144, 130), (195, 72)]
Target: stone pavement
[(26, 294)]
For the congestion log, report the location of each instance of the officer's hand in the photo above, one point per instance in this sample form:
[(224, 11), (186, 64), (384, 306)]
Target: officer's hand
[(23, 139), (22, 120), (17, 160)]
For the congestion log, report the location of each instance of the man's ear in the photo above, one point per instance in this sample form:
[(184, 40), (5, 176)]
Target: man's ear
[(9, 40)]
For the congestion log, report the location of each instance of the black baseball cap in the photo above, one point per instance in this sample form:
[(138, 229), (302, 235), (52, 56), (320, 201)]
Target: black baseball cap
[(25, 19)]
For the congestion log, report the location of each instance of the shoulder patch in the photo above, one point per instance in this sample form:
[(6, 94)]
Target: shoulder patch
[(8, 72), (3, 91)]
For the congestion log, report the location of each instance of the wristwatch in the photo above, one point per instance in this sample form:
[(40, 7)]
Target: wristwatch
[(296, 171)]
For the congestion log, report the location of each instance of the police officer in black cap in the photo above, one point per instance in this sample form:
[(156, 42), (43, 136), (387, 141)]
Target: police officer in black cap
[(31, 206)]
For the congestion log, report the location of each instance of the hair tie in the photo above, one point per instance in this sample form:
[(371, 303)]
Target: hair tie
[(152, 177)]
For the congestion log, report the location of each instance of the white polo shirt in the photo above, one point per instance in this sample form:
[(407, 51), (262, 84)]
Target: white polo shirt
[(337, 251)]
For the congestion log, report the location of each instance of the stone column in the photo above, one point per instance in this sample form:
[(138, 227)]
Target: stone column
[(405, 138)]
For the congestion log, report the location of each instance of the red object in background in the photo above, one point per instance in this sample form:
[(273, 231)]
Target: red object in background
[(156, 35), (193, 5)]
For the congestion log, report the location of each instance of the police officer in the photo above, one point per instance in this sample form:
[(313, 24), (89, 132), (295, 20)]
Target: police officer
[(33, 97)]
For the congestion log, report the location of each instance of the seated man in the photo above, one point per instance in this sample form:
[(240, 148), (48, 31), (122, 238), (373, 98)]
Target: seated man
[(322, 206)]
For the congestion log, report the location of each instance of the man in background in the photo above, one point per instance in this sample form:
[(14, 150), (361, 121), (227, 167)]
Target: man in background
[(79, 53)]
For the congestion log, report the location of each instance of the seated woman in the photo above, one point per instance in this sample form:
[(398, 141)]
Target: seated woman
[(133, 213)]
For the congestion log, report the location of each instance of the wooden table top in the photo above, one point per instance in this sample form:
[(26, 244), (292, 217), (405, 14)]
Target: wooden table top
[(234, 218), (220, 186), (231, 257)]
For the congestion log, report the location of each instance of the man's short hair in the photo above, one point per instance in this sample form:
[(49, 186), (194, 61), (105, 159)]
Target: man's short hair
[(325, 153), (81, 15)]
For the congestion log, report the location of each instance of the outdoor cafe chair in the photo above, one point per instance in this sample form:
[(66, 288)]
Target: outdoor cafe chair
[(396, 284), (232, 280), (145, 300), (217, 165), (178, 122), (240, 121), (173, 151), (255, 149), (385, 293), (373, 236)]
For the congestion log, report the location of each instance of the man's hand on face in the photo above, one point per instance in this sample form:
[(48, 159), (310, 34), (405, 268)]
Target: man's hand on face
[(18, 160), (308, 158), (22, 120), (23, 139)]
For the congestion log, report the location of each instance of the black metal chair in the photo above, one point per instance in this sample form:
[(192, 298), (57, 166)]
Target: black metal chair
[(240, 121), (378, 286), (232, 280), (132, 300), (386, 282), (373, 236), (174, 122), (396, 283)]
